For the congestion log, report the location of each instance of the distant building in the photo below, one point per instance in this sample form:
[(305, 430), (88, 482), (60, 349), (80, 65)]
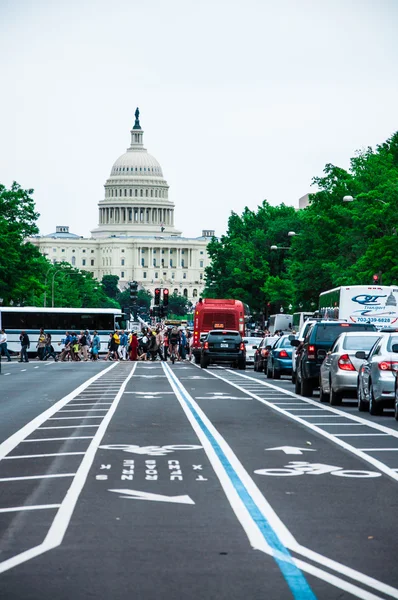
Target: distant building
[(304, 201), (135, 238)]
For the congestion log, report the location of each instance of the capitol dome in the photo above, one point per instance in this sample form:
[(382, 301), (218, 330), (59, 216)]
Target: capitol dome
[(136, 194)]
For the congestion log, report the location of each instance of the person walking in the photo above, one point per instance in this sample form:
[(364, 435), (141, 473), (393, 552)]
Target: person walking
[(95, 345), (66, 352), (3, 345), (25, 344), (49, 349), (133, 346), (124, 340), (41, 344), (83, 345)]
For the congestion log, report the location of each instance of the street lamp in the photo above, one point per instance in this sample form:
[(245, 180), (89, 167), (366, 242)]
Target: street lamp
[(351, 199), (53, 280), (280, 247), (45, 287), (292, 233)]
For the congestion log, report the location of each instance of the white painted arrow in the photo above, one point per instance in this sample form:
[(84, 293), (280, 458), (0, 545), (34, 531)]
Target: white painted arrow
[(291, 449), (136, 495)]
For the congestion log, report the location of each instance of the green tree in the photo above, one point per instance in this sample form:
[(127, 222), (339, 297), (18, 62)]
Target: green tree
[(144, 298), (179, 305), (22, 267), (110, 285)]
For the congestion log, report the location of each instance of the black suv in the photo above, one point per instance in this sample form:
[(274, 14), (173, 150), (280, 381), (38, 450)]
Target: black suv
[(312, 351), (223, 347)]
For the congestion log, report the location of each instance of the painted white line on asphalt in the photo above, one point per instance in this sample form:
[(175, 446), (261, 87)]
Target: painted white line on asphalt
[(66, 427), (256, 538), (7, 373), (35, 367), (378, 449), (41, 455), (23, 370), (10, 443), (33, 507), (286, 403), (64, 514), (319, 415), (59, 439), (83, 410), (70, 418), (52, 476), (361, 434)]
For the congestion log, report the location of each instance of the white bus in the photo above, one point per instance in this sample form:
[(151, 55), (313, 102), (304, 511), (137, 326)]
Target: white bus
[(56, 321), (281, 322), (361, 304)]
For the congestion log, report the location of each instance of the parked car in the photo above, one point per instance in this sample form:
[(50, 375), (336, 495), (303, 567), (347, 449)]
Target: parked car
[(376, 381), (300, 336), (318, 340), (339, 371), (222, 347), (251, 344), (280, 358), (395, 372), (262, 351)]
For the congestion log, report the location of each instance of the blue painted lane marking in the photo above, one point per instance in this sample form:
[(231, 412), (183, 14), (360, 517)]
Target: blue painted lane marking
[(292, 574)]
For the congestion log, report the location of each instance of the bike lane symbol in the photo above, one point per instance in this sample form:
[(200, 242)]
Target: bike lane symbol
[(295, 468)]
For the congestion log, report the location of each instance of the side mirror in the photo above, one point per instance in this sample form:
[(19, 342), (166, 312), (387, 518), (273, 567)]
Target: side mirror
[(268, 347), (245, 341), (361, 355), (295, 342), (254, 347), (394, 348)]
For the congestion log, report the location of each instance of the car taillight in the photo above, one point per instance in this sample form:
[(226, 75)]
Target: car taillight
[(206, 345), (283, 354), (386, 365), (264, 353), (345, 363), (311, 351), (242, 346)]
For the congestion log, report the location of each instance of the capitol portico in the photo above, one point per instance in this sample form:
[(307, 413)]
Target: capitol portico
[(135, 238)]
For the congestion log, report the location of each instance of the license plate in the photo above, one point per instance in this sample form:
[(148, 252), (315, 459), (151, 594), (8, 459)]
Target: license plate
[(223, 345)]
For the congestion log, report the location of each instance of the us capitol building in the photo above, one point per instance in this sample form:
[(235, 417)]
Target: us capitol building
[(135, 238)]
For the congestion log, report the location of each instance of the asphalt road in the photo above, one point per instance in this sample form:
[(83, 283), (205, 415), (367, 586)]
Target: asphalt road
[(151, 481)]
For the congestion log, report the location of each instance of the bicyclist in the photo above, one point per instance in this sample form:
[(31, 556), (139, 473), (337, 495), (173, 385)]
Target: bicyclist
[(174, 340)]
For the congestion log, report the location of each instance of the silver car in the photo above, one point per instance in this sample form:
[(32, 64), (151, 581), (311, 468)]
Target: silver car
[(376, 379), (339, 371), (249, 343)]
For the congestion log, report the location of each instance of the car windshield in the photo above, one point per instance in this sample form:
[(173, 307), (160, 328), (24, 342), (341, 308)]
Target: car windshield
[(393, 340), (328, 333), (252, 340), (359, 342)]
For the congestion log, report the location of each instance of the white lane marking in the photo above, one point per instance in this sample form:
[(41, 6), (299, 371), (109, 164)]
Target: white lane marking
[(58, 439), (253, 533), (9, 444), (23, 370), (66, 427), (35, 367), (291, 449), (88, 404), (286, 403), (32, 507), (322, 415), (317, 427), (52, 476), (378, 449), (70, 418), (137, 495), (361, 434), (7, 373), (41, 455), (75, 410), (61, 521)]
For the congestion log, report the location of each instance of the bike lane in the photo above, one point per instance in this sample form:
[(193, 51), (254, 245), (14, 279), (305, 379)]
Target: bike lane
[(336, 506), (152, 520)]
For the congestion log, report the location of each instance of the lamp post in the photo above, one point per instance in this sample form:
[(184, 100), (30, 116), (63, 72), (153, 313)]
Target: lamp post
[(280, 247), (53, 280), (351, 199), (45, 287)]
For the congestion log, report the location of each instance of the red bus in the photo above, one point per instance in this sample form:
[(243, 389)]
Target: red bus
[(211, 313)]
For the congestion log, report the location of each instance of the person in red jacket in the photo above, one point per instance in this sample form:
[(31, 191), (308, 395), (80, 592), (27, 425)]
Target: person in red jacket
[(133, 346)]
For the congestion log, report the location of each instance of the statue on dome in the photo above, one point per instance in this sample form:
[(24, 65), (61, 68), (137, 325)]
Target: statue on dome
[(137, 119)]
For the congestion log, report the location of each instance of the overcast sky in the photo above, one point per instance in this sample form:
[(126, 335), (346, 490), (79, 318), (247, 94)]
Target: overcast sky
[(239, 101)]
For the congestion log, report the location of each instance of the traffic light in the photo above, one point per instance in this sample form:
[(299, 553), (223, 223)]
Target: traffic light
[(157, 296), (165, 297), (133, 292)]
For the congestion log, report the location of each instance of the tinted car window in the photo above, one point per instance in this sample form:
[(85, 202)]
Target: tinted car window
[(393, 340), (360, 342), (228, 335), (328, 333)]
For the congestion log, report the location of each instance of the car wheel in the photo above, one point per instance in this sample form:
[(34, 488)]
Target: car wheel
[(242, 365), (362, 405), (293, 376), (255, 367), (268, 372), (197, 359), (335, 397), (297, 386), (374, 407), (323, 397), (276, 374), (306, 388), (396, 409), (203, 363)]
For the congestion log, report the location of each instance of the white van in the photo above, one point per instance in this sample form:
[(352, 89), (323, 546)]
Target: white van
[(299, 319), (280, 322)]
